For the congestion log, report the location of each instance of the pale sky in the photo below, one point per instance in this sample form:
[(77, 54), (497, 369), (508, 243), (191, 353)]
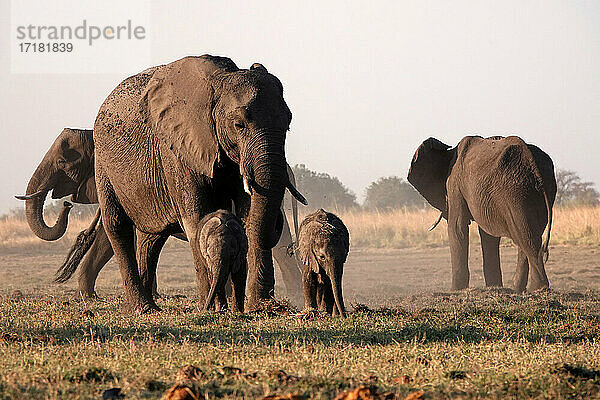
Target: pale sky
[(367, 82)]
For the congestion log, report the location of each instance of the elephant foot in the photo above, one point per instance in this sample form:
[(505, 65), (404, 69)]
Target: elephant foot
[(140, 307), (148, 308), (309, 313), (258, 304), (88, 295)]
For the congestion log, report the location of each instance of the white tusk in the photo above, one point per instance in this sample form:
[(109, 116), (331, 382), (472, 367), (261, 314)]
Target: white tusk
[(32, 196), (247, 187), (436, 223)]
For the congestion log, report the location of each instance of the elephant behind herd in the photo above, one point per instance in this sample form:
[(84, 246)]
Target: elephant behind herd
[(178, 141)]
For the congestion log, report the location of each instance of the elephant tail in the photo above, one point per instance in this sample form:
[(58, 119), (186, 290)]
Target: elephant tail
[(544, 250), (210, 299), (80, 247)]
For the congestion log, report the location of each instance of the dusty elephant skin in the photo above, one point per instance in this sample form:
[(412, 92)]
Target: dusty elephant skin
[(76, 178), (323, 244), (505, 185), (178, 141), (223, 247)]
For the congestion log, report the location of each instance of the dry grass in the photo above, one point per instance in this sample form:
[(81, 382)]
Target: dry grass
[(368, 229), (16, 235), (404, 228)]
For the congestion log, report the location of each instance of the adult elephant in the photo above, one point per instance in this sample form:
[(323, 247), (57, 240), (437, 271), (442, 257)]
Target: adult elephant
[(68, 169), (505, 185), (177, 141)]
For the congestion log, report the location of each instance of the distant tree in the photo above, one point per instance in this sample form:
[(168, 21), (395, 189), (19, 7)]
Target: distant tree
[(392, 192), (572, 191), (322, 190)]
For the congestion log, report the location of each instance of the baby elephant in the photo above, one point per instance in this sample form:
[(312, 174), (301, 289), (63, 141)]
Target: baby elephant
[(223, 246), (323, 243)]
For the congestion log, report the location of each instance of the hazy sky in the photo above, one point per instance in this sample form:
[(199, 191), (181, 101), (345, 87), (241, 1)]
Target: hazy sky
[(366, 81)]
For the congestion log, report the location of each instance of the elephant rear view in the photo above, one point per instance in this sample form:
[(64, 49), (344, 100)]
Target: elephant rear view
[(505, 185), (223, 244)]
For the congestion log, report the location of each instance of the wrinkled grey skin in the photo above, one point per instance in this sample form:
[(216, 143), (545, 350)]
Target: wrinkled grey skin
[(505, 185), (323, 244), (223, 247), (178, 141), (82, 186)]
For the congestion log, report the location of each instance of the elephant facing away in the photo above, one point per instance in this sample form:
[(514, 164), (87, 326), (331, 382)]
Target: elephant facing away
[(68, 169), (505, 185), (223, 245)]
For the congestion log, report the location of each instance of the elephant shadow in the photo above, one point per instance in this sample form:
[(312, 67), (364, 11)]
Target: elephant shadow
[(236, 331)]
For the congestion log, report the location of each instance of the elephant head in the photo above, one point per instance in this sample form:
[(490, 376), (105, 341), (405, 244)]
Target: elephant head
[(66, 169), (429, 170), (323, 244), (211, 113)]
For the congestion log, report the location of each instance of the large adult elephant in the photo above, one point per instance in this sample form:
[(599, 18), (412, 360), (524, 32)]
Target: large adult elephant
[(177, 141), (505, 185), (67, 169)]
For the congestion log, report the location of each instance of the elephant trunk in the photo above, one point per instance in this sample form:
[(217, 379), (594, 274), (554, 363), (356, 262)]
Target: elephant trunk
[(37, 189), (336, 288), (263, 167)]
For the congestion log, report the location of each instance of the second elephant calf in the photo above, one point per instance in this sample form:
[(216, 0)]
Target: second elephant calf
[(323, 244)]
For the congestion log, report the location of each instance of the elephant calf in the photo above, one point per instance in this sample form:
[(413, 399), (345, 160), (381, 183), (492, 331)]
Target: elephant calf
[(323, 244), (223, 247), (505, 185)]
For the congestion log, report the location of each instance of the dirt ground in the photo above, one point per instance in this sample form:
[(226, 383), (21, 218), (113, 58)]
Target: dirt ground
[(373, 277)]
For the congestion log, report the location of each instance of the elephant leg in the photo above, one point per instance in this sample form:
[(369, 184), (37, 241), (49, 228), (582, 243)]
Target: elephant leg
[(120, 231), (238, 285), (458, 235), (221, 300), (522, 272), (329, 300), (288, 264), (490, 248), (148, 251), (539, 279), (321, 301), (309, 288), (96, 258)]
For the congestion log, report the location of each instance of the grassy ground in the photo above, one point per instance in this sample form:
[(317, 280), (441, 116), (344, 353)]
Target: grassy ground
[(475, 343), (405, 334)]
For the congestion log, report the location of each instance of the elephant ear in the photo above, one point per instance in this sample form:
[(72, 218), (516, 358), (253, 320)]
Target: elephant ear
[(305, 243), (178, 102), (429, 170), (86, 192)]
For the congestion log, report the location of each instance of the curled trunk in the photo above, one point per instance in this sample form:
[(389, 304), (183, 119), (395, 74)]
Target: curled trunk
[(40, 183)]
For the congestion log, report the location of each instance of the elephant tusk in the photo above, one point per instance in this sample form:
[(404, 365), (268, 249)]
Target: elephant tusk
[(296, 193), (32, 196), (247, 187), (436, 223)]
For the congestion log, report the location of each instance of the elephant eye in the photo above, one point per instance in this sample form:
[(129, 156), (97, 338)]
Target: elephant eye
[(322, 256), (239, 125)]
